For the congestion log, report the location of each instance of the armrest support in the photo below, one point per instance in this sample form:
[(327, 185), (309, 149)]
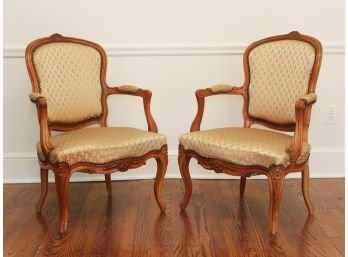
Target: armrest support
[(213, 90), (45, 134), (135, 91), (302, 111)]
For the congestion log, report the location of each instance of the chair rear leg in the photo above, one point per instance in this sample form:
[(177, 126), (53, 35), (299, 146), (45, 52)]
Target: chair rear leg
[(62, 187), (108, 184), (305, 189), (185, 174), (162, 163), (44, 188), (242, 186)]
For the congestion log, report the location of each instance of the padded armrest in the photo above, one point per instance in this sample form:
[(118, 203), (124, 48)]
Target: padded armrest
[(128, 89), (34, 96), (223, 88), (136, 91), (310, 98), (210, 91)]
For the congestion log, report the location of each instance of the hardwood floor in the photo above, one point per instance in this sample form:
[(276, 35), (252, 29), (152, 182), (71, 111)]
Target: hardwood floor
[(216, 223)]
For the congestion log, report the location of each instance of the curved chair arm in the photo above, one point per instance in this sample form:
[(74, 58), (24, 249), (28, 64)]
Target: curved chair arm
[(213, 90), (302, 111), (135, 91), (45, 134)]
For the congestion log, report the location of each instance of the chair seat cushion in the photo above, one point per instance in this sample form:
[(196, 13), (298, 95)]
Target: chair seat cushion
[(102, 145), (243, 146)]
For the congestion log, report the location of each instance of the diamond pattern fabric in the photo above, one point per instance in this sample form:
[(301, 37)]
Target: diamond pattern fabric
[(243, 146), (102, 145)]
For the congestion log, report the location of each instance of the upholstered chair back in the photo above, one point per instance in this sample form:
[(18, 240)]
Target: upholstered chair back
[(280, 73), (68, 77)]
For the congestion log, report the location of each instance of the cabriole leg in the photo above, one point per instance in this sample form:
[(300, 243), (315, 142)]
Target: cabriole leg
[(162, 163), (276, 179), (185, 174), (62, 187), (44, 188), (305, 189)]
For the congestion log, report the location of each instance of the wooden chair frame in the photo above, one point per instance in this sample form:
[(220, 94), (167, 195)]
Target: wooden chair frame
[(63, 171), (275, 174)]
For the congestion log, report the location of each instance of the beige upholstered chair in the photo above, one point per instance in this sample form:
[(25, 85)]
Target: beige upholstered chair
[(70, 93), (280, 77)]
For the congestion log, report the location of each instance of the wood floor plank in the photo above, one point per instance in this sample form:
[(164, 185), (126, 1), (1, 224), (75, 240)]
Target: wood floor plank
[(216, 223)]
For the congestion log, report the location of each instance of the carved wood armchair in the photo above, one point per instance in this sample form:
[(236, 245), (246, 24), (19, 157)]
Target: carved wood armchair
[(280, 78), (70, 92)]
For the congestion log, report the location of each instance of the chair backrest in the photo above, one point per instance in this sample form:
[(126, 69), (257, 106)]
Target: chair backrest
[(279, 70), (70, 74)]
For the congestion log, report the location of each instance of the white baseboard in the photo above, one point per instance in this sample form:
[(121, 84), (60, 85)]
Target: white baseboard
[(23, 168)]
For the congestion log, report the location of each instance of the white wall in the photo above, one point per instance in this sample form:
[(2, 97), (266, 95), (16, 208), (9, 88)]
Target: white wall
[(172, 48)]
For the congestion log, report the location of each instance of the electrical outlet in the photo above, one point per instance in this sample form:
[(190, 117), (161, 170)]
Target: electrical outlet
[(331, 114)]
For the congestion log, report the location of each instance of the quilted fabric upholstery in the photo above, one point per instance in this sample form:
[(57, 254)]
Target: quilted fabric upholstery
[(69, 78), (243, 146), (102, 145), (279, 75)]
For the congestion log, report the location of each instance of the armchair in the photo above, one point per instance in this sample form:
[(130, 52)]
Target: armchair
[(279, 89), (70, 92)]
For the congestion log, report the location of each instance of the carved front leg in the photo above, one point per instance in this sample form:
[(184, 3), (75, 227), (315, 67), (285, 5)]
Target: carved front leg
[(185, 173), (276, 177), (305, 190), (44, 188), (162, 163), (62, 177)]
